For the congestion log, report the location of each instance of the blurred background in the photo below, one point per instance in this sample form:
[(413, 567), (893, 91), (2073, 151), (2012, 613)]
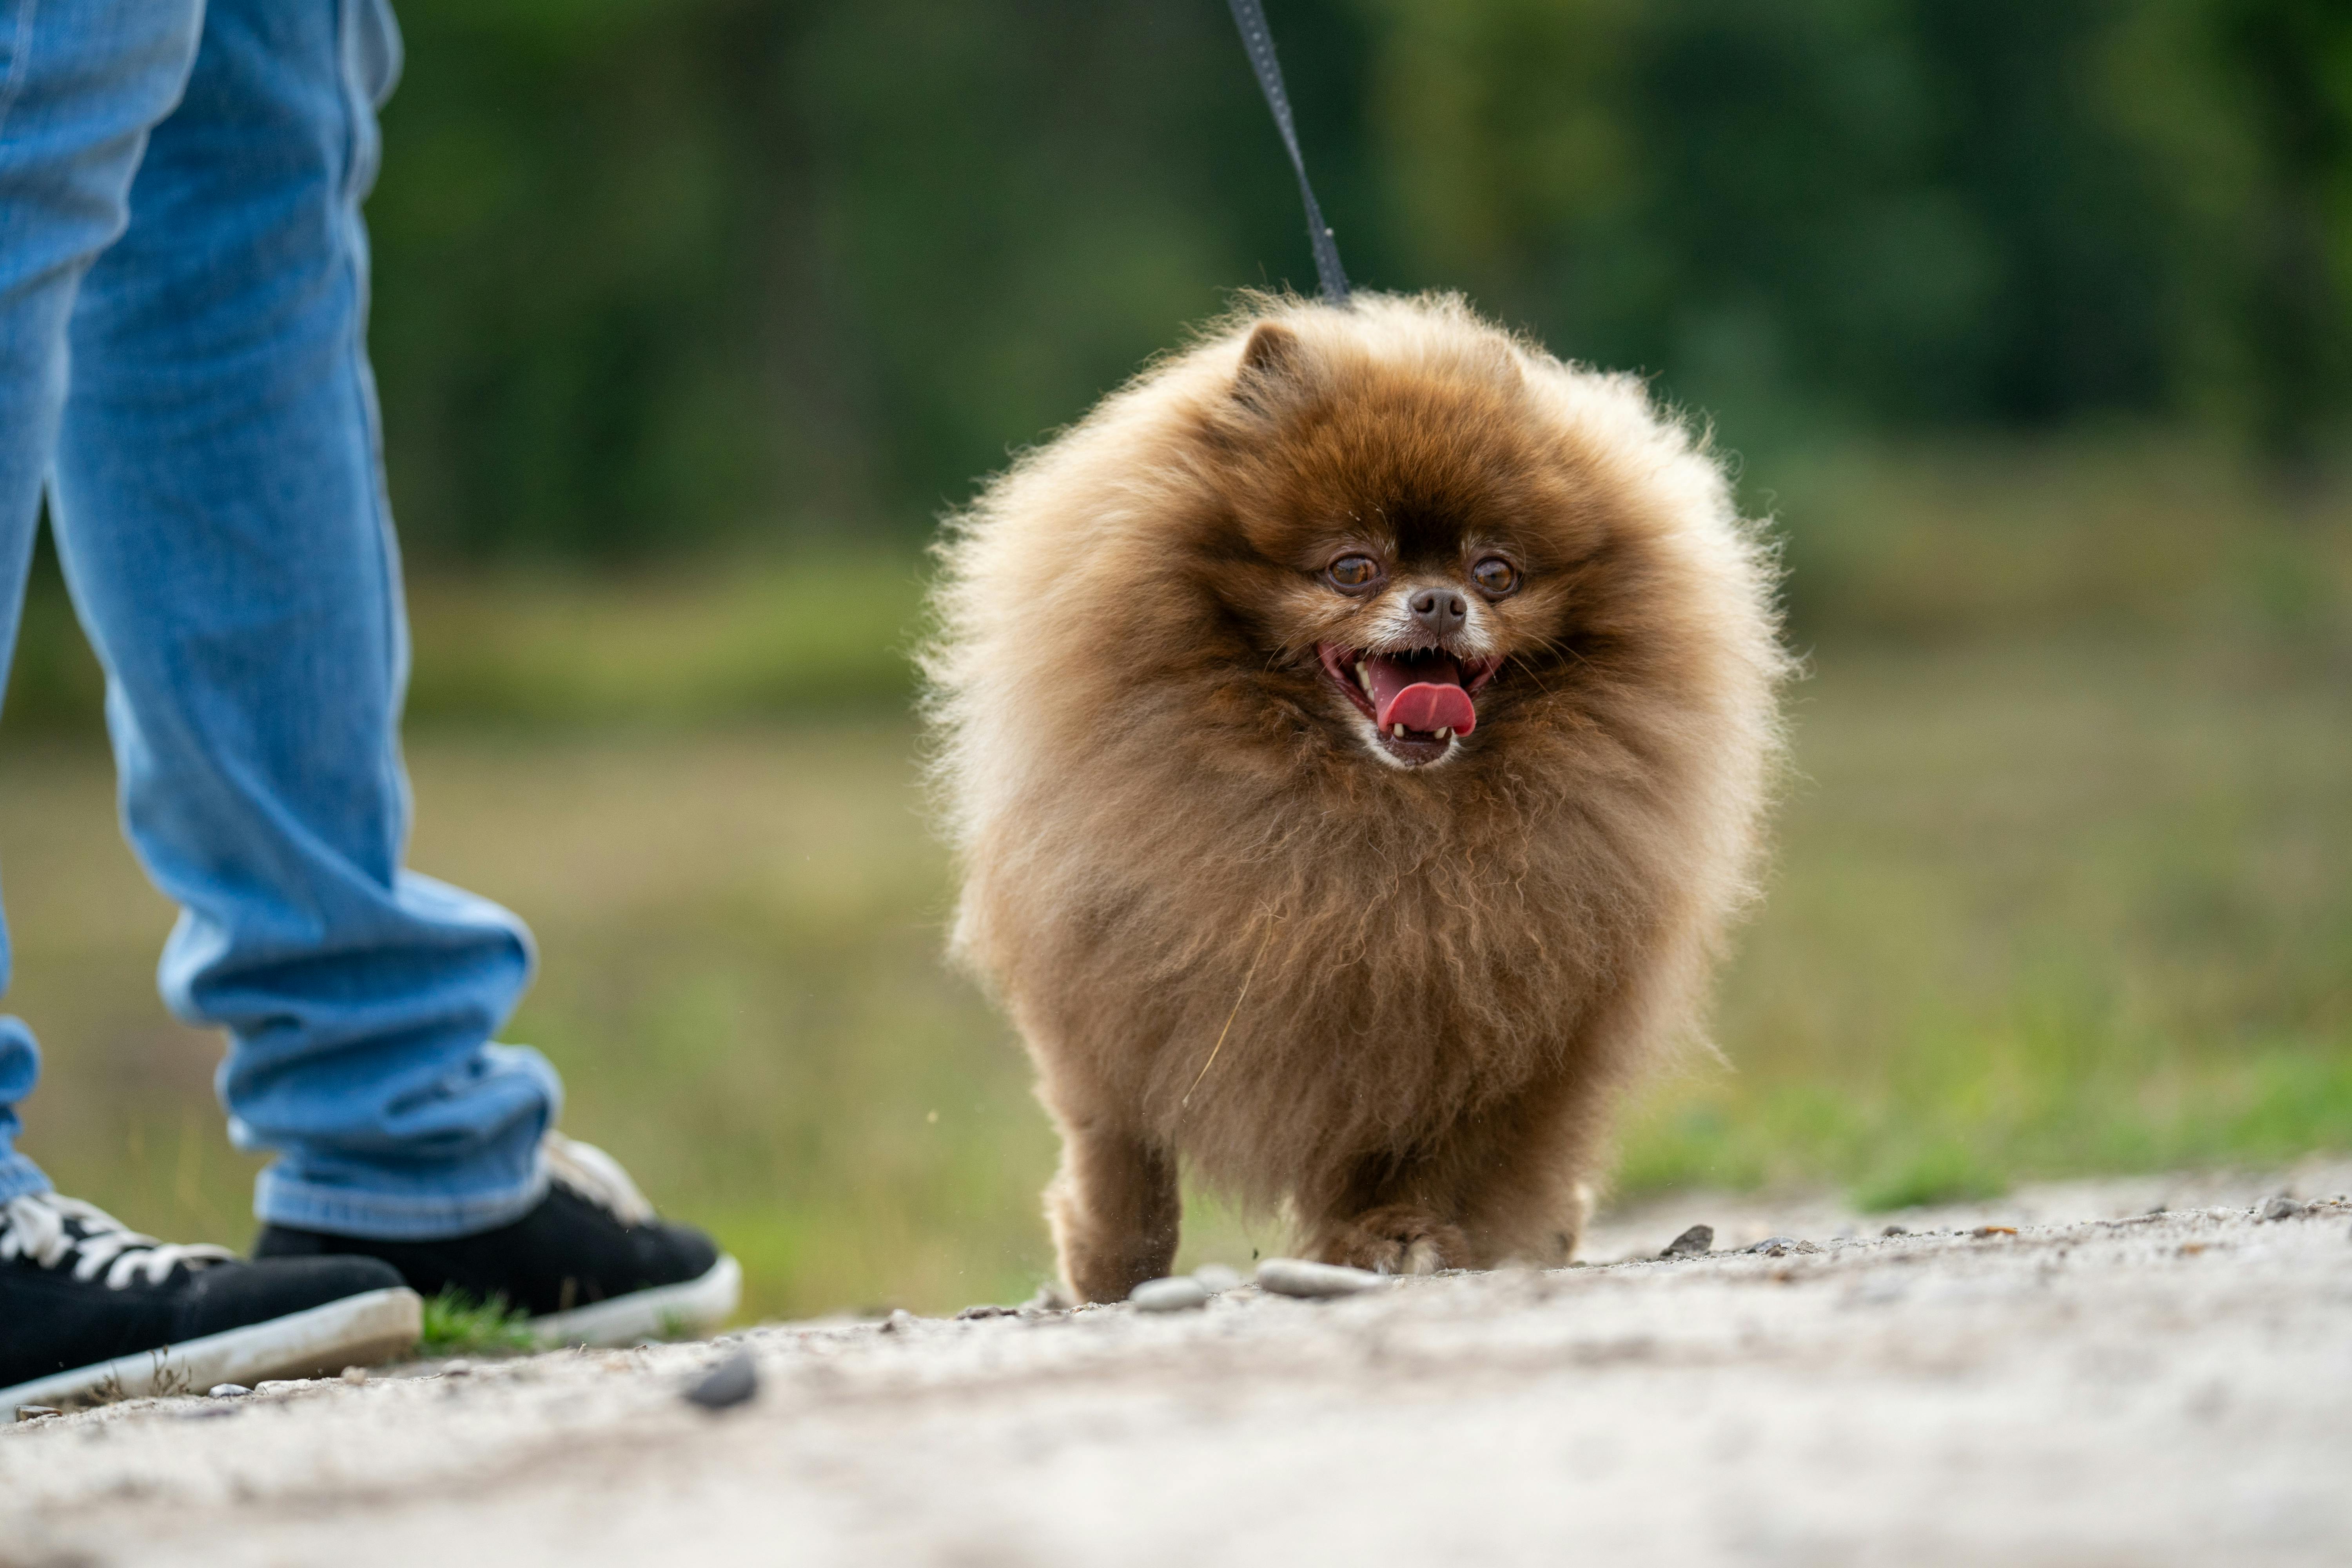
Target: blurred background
[(2029, 321)]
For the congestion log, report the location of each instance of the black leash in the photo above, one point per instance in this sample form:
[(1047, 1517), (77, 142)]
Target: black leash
[(1250, 17)]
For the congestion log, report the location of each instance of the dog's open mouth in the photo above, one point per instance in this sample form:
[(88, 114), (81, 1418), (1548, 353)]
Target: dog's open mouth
[(1421, 701)]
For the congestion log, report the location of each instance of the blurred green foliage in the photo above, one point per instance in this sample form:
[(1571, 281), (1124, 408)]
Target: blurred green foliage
[(659, 274)]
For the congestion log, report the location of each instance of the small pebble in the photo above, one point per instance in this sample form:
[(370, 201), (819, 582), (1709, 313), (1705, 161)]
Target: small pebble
[(898, 1321), (1311, 1282), (1179, 1293), (2284, 1207), (1216, 1279), (1985, 1232), (227, 1391), (1772, 1245), (1691, 1243), (732, 1382), (461, 1367), (1895, 1230), (354, 1375), (976, 1314)]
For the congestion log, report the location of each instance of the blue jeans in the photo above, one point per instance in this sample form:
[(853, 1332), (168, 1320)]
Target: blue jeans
[(183, 280)]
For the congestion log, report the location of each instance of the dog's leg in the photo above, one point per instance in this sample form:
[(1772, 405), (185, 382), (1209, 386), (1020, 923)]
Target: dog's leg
[(1383, 1214), (1526, 1178), (1114, 1210), (1393, 1239), (1527, 1185), (1515, 1184)]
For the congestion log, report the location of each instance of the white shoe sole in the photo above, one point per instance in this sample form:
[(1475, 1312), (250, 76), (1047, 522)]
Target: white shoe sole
[(358, 1330), (665, 1312)]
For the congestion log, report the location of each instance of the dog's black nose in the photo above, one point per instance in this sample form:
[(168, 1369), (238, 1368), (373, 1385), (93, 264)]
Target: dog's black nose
[(1441, 610)]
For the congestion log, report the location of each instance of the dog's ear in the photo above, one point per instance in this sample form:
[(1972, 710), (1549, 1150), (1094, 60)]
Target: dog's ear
[(1274, 369), (1274, 351)]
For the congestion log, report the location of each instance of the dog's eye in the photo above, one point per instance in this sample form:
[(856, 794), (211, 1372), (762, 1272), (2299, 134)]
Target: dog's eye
[(1354, 570), (1495, 575)]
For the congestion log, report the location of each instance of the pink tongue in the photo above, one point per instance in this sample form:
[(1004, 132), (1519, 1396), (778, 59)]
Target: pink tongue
[(1434, 701)]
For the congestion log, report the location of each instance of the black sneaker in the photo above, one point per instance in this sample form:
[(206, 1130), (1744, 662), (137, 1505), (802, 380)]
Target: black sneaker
[(92, 1310), (591, 1264)]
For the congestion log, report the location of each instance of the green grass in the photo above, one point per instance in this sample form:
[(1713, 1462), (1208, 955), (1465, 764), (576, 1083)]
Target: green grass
[(2155, 536), (758, 637), (2054, 893), (2039, 909), (457, 1325)]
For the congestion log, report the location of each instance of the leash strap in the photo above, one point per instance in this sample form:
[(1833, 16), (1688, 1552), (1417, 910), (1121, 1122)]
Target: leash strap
[(1250, 17)]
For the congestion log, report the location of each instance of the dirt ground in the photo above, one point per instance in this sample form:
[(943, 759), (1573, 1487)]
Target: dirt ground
[(2103, 1386)]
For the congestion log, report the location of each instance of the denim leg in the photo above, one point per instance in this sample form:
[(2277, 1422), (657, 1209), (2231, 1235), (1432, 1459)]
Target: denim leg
[(81, 83), (221, 517)]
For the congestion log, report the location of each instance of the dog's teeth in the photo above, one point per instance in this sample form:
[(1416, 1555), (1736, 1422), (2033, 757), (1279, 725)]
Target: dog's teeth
[(1445, 734), (1362, 679), (1400, 731)]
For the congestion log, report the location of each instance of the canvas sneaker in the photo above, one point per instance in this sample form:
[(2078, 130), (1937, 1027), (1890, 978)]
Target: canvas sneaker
[(91, 1310), (592, 1264)]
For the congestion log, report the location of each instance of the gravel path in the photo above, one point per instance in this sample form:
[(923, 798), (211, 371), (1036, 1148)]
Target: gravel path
[(2102, 1386)]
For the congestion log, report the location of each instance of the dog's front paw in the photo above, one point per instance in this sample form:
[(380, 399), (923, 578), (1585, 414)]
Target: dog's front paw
[(1398, 1239)]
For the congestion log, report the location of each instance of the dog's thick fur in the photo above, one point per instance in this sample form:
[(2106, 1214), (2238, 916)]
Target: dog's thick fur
[(1236, 936)]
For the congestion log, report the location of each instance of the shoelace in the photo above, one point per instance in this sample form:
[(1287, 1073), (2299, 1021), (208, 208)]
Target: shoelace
[(51, 1230), (596, 1176)]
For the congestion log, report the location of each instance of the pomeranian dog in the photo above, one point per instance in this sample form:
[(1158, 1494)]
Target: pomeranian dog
[(1354, 733)]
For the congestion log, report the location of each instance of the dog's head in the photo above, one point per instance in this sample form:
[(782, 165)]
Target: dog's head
[(1389, 545), (1402, 546)]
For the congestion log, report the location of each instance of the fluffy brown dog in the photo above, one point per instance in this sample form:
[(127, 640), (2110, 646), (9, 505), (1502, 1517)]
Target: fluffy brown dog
[(1355, 733)]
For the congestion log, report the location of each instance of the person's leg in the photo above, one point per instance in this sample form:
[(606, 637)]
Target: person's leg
[(82, 84), (87, 1306), (221, 516)]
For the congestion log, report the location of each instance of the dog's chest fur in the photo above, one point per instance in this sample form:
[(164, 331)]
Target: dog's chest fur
[(1277, 982)]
